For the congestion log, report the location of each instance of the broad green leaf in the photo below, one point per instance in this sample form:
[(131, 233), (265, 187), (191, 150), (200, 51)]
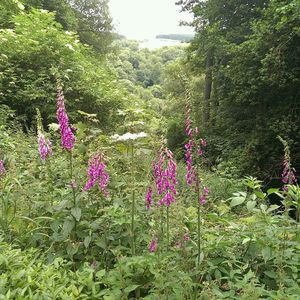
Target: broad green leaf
[(67, 227), (131, 288), (272, 191), (260, 195), (237, 201), (76, 213), (271, 274), (100, 274), (87, 241), (251, 205), (266, 253), (246, 240)]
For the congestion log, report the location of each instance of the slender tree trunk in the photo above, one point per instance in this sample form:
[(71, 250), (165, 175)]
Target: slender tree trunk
[(214, 107), (207, 87)]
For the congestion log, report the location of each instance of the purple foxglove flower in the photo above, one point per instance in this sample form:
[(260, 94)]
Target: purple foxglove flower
[(178, 245), (73, 185), (186, 237), (200, 152), (44, 146), (206, 190), (203, 199), (288, 174), (2, 168), (67, 136), (203, 142), (97, 174), (149, 198), (164, 172), (152, 246)]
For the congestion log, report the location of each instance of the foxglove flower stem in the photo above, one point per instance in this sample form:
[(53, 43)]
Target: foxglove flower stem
[(72, 179), (199, 220), (73, 190), (168, 228)]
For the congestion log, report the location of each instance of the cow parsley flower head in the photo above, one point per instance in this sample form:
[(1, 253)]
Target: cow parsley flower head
[(128, 136)]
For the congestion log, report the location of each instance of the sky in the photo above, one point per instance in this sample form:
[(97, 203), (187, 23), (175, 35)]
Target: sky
[(142, 19)]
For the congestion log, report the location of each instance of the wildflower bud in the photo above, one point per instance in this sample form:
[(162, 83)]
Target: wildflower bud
[(186, 237), (2, 168), (149, 198), (96, 173), (152, 246)]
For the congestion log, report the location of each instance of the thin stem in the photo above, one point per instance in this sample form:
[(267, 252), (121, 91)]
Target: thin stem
[(73, 191), (132, 203), (168, 229), (162, 223), (71, 175), (199, 221)]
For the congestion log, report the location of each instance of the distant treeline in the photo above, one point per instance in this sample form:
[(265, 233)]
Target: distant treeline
[(176, 37)]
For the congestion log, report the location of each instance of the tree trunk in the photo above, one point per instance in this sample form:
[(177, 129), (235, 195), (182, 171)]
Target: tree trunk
[(207, 87)]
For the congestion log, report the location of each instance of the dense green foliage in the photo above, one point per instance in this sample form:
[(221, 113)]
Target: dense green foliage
[(248, 52), (239, 77)]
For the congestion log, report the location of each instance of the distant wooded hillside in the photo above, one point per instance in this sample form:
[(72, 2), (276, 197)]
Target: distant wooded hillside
[(177, 37)]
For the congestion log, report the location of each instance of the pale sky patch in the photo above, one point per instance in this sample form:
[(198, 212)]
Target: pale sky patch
[(142, 19)]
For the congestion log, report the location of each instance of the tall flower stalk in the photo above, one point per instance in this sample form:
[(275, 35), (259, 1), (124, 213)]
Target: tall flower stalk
[(288, 177), (194, 150), (288, 173), (129, 138), (44, 145), (67, 138), (66, 133), (164, 173)]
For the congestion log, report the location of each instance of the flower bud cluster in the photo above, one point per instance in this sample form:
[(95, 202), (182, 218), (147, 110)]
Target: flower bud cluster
[(67, 136), (2, 168), (288, 174), (149, 198), (96, 173), (164, 172)]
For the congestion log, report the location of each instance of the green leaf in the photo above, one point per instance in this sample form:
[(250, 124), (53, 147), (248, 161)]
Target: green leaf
[(266, 253), (100, 273), (260, 195), (218, 274), (87, 241), (101, 243), (251, 205), (237, 201), (246, 240), (67, 227), (131, 288), (271, 274), (272, 191), (272, 208), (76, 213)]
